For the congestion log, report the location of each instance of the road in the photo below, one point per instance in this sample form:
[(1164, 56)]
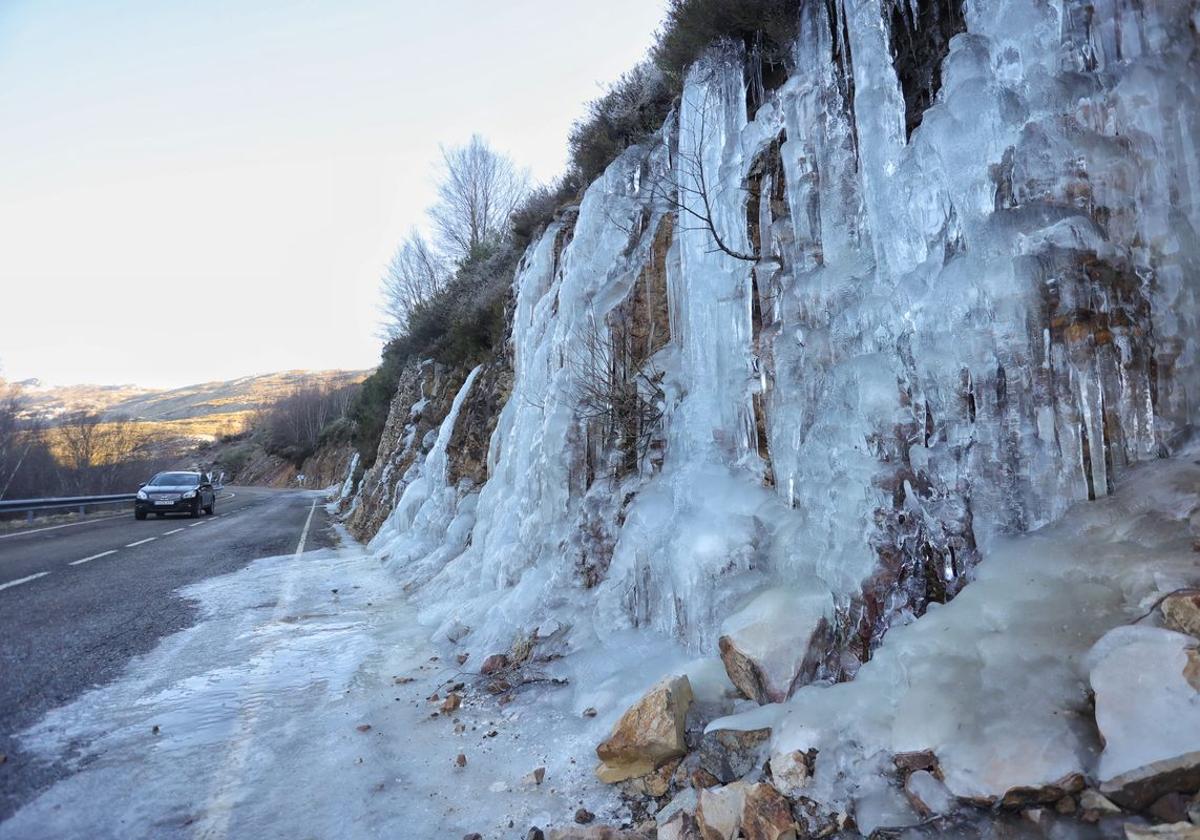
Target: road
[(77, 602)]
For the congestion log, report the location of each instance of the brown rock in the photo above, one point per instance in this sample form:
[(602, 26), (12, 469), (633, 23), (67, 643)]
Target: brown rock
[(680, 826), (719, 811), (791, 772), (583, 816), (590, 711), (1137, 789), (1091, 800), (1019, 797), (649, 734), (363, 727), (461, 760), (1171, 808), (535, 778), (1181, 612), (462, 658), (473, 836), (1166, 831), (654, 784), (766, 814), (452, 702), (907, 762), (768, 646), (1066, 805), (495, 662)]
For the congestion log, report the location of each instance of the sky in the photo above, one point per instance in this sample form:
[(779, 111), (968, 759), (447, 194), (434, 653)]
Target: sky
[(195, 191)]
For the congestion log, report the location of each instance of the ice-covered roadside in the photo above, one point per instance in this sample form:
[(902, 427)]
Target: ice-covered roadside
[(996, 683), (251, 724)]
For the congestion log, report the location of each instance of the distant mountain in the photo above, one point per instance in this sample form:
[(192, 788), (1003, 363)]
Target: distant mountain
[(248, 393)]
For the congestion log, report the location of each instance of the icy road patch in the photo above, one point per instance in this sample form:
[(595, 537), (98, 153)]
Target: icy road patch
[(254, 723)]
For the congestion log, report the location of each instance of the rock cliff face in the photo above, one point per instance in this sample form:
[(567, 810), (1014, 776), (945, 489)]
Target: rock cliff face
[(833, 338)]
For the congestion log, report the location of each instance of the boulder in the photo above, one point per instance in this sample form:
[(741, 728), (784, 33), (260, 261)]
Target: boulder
[(729, 754), (1181, 612), (766, 814), (655, 784), (719, 811), (792, 771), (1137, 789), (649, 734), (752, 812), (1140, 676), (684, 802), (1171, 808), (775, 643), (680, 826), (1092, 800)]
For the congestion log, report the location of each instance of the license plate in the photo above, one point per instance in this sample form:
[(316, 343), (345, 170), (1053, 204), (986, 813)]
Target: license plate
[(163, 502)]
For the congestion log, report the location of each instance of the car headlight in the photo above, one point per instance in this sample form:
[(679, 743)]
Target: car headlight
[(141, 494), (190, 494)]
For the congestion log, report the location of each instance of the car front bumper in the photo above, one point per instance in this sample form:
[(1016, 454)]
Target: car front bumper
[(165, 505)]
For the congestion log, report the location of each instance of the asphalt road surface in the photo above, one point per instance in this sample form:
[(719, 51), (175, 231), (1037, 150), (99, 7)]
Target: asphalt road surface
[(77, 602)]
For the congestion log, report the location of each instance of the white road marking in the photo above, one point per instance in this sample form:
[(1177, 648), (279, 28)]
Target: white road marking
[(93, 557), (304, 533), (194, 524), (141, 542), (169, 533), (19, 581), (66, 525)]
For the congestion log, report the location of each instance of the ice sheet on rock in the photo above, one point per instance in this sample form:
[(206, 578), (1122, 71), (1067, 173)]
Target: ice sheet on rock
[(432, 520), (945, 338), (996, 682), (1146, 708)]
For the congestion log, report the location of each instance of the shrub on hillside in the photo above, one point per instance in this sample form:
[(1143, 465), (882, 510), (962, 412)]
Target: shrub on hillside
[(765, 27), (461, 325), (538, 208), (628, 113)]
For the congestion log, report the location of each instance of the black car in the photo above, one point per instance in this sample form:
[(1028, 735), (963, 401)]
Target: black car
[(175, 492)]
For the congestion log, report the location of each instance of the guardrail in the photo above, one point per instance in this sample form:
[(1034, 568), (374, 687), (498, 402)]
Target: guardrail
[(81, 503)]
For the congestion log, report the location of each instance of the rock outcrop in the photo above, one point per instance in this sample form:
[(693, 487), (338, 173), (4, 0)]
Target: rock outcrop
[(649, 734), (775, 643)]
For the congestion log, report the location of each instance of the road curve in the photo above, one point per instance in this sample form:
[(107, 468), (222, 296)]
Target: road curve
[(77, 603)]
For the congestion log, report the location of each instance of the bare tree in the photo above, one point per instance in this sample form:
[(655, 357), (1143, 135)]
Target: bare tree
[(98, 452), (690, 190), (414, 275), (294, 424), (14, 446), (616, 393), (478, 190)]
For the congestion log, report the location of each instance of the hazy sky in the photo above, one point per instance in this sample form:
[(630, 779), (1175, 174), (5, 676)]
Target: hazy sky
[(202, 189)]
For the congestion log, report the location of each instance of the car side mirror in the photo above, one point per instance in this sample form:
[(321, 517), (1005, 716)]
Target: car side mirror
[(140, 486)]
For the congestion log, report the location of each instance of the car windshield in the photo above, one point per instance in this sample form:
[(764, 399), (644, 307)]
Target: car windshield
[(175, 479)]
